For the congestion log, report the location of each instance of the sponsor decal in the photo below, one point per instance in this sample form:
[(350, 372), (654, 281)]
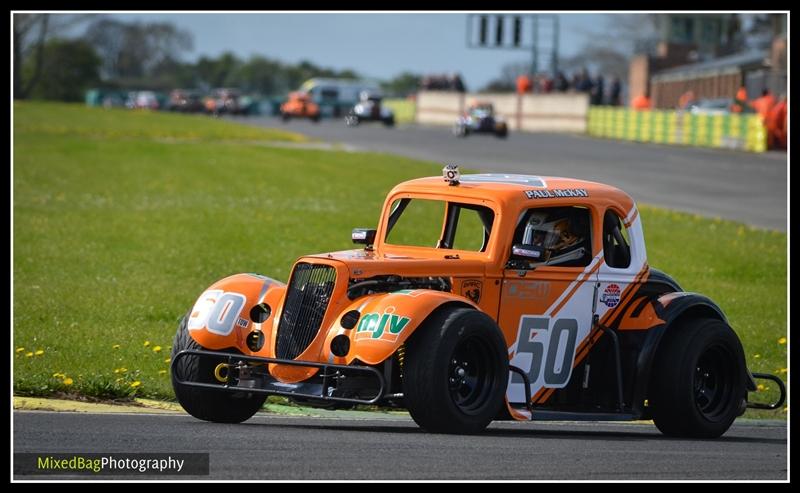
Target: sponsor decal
[(471, 289), (386, 326), (528, 290), (610, 296), (242, 322), (556, 193)]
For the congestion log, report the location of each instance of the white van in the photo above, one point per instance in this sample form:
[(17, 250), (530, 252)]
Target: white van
[(336, 97)]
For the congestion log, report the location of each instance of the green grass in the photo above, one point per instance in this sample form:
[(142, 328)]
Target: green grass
[(117, 230), (404, 109), (76, 121)]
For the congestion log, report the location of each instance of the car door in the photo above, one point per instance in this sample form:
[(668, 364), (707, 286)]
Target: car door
[(546, 312)]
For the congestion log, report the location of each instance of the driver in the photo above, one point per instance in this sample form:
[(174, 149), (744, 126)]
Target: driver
[(560, 238)]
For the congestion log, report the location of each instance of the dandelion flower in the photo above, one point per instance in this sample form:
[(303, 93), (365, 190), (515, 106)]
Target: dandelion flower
[(58, 375), (782, 340), (115, 346), (756, 356), (67, 381), (20, 349), (157, 349), (760, 387), (123, 370), (167, 360), (39, 352), (28, 354), (136, 384), (162, 372), (782, 370), (146, 343)]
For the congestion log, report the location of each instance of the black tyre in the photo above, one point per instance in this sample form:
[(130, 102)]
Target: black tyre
[(206, 404), (315, 118), (389, 122), (501, 134), (698, 382), (285, 117), (456, 372)]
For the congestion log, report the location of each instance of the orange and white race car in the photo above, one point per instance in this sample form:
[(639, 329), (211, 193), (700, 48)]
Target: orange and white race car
[(477, 298), (300, 105)]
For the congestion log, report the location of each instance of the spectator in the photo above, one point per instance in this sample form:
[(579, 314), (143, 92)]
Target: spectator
[(615, 93), (776, 125), (598, 90), (561, 83), (584, 82), (523, 84), (686, 99), (740, 102), (642, 102), (763, 104), (547, 84)]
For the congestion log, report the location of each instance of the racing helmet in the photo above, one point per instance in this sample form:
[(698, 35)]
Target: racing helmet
[(561, 238)]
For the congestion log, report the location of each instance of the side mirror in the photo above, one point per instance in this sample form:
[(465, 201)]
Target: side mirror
[(528, 251), (363, 236)]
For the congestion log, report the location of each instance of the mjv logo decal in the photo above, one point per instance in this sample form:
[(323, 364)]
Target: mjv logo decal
[(386, 326)]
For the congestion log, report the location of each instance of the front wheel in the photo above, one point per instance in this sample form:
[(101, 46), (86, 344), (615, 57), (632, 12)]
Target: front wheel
[(207, 404), (698, 383), (456, 372)]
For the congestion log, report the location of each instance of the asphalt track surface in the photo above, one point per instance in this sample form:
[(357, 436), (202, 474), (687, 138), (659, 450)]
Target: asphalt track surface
[(742, 186), (269, 447)]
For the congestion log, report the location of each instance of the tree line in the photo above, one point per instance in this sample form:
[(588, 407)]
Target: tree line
[(52, 63)]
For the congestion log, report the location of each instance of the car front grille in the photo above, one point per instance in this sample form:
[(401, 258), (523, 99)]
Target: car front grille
[(307, 298)]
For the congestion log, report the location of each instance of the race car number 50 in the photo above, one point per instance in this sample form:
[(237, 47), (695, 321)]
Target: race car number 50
[(552, 350)]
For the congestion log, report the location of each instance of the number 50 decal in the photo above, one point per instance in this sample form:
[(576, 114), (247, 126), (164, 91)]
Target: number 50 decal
[(551, 350), (217, 311)]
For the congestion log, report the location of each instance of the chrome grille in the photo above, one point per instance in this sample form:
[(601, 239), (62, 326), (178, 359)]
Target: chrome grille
[(307, 298)]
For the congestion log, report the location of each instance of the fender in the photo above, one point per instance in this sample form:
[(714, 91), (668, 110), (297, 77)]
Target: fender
[(220, 317), (671, 308), (387, 320)]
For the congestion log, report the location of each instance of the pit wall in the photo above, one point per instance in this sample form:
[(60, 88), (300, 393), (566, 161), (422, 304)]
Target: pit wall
[(529, 113), (733, 131)]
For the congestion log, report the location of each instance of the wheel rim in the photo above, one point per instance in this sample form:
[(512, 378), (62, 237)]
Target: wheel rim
[(470, 375), (713, 382)]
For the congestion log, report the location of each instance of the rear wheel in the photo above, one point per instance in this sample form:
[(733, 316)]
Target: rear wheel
[(456, 372), (698, 383), (208, 404)]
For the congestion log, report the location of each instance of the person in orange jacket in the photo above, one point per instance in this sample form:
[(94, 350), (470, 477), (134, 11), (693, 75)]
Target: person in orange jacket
[(524, 84), (776, 125), (641, 102), (740, 102), (763, 104), (685, 99)]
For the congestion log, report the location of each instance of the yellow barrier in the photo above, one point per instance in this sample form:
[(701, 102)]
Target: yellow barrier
[(732, 131)]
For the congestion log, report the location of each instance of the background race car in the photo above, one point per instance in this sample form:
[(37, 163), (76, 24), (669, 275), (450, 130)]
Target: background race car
[(300, 105), (369, 109), (480, 118)]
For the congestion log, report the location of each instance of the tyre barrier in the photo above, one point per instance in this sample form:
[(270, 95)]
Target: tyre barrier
[(732, 131)]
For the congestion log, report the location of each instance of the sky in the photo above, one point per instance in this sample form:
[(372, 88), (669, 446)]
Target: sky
[(375, 45)]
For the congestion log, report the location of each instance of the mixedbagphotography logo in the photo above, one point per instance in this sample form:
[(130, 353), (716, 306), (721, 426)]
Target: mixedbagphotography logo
[(194, 464)]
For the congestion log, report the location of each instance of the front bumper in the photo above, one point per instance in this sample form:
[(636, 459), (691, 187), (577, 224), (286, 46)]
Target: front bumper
[(251, 374)]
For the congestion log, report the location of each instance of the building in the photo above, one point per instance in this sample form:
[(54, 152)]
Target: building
[(715, 79), (703, 53)]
